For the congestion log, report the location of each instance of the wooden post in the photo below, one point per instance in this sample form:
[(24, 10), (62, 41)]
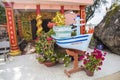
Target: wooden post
[(11, 28), (82, 16), (74, 54)]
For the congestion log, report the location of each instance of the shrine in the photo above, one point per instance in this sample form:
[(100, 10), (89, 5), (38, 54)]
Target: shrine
[(37, 17), (24, 21)]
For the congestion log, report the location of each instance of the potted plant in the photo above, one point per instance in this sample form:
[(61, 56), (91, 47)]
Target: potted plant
[(93, 61), (45, 49), (47, 54)]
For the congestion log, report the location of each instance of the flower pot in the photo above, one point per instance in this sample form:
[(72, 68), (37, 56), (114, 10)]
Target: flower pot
[(89, 73), (40, 62), (49, 64)]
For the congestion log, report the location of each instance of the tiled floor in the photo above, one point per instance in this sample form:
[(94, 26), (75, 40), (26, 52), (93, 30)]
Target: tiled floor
[(26, 67)]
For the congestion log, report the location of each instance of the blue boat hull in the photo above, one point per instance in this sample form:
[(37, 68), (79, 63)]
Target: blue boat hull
[(80, 42)]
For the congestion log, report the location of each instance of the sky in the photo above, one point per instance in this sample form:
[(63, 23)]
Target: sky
[(99, 14)]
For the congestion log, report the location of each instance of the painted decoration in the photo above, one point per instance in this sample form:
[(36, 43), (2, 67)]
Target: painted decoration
[(39, 24), (14, 49)]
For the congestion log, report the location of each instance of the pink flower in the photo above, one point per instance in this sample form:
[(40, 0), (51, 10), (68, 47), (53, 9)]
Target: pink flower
[(105, 54), (99, 68), (103, 58), (81, 57), (94, 60), (87, 55), (49, 39), (94, 53), (85, 61), (100, 63)]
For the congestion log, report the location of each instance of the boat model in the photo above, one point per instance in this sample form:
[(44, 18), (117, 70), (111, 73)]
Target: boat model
[(65, 40)]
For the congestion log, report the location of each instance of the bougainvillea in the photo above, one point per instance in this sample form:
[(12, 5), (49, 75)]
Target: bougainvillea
[(94, 60)]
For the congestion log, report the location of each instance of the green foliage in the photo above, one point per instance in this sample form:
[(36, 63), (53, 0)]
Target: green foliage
[(2, 15), (114, 9), (45, 50), (62, 57), (50, 32), (73, 33)]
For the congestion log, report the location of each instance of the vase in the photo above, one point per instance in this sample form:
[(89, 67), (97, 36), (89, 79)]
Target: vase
[(49, 64)]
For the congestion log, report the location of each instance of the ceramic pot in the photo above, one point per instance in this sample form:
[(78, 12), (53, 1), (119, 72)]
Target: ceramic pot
[(40, 62), (89, 73), (49, 64)]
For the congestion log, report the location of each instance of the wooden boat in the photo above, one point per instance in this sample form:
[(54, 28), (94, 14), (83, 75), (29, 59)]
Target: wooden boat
[(80, 42)]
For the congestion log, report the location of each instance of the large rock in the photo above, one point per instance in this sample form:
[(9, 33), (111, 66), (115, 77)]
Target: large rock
[(108, 31)]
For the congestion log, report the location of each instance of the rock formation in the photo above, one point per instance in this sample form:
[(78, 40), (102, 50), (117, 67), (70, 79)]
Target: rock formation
[(108, 31)]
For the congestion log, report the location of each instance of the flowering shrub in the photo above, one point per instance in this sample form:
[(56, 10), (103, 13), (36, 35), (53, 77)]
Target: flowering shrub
[(94, 60)]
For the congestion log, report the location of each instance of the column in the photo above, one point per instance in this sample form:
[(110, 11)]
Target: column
[(38, 19), (82, 16), (14, 48), (62, 9)]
